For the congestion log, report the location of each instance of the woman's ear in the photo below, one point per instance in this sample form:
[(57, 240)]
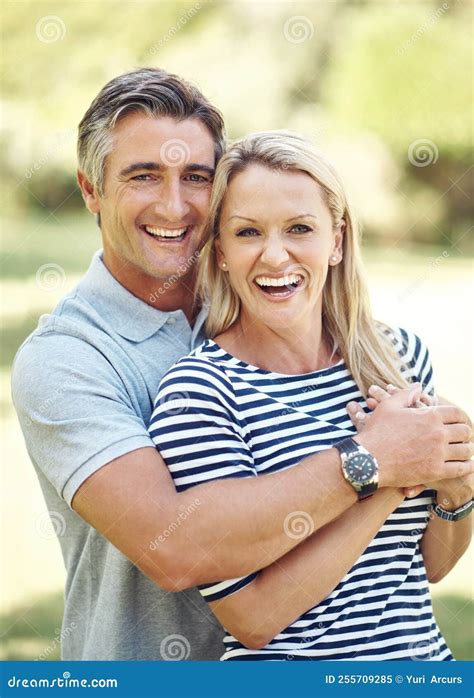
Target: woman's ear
[(336, 255), (89, 194), (219, 254)]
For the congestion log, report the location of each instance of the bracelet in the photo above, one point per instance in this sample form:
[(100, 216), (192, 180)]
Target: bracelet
[(455, 515)]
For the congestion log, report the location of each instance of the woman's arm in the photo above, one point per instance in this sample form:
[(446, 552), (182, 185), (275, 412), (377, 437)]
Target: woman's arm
[(444, 542), (305, 576)]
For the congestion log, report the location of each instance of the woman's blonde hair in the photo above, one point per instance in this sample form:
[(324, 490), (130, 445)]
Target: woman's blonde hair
[(365, 344)]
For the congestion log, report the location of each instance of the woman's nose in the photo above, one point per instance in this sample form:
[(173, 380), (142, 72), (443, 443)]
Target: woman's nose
[(274, 252)]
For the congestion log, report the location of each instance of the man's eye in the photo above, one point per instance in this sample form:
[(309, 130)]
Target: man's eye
[(247, 232), (197, 179), (142, 178), (301, 228)]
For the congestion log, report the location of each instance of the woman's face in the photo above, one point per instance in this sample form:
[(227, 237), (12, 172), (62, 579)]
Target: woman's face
[(277, 240)]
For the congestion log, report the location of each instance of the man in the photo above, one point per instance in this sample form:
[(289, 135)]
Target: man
[(147, 149)]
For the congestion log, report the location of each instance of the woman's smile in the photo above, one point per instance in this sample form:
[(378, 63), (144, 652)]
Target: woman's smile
[(277, 288)]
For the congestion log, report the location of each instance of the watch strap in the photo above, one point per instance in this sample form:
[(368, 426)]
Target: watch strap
[(367, 490), (455, 515), (348, 446)]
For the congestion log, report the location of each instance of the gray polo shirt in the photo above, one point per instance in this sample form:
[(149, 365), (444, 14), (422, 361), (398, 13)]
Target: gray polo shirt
[(83, 385)]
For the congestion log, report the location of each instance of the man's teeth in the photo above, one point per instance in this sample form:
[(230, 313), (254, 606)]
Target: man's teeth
[(165, 232), (281, 281)]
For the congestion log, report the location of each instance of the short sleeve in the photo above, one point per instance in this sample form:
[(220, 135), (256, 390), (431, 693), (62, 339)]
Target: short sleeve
[(196, 427), (74, 411), (415, 358)]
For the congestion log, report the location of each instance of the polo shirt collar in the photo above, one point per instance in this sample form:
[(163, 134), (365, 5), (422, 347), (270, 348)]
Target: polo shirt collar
[(130, 317)]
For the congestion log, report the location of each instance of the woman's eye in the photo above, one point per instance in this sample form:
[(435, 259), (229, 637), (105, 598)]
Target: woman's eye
[(300, 228), (247, 232)]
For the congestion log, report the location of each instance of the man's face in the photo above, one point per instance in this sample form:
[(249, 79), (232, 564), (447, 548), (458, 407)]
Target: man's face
[(157, 188)]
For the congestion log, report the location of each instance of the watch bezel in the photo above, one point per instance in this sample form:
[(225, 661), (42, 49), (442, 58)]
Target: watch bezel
[(368, 458), (348, 450)]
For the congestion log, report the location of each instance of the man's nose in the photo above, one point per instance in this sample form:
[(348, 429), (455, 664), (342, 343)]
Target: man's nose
[(173, 204), (274, 252)]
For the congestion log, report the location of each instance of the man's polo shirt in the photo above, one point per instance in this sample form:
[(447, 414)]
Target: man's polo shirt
[(83, 385)]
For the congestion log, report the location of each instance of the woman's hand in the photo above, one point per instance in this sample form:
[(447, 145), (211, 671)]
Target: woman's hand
[(452, 494), (416, 397)]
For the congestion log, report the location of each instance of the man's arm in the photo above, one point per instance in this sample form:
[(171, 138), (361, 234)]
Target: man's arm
[(230, 528), (305, 576), (233, 527)]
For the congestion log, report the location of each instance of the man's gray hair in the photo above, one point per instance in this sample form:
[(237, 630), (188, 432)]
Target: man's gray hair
[(152, 91)]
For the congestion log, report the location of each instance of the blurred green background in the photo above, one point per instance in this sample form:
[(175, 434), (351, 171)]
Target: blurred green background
[(385, 88)]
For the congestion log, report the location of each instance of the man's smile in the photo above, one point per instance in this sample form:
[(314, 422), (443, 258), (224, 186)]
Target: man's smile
[(167, 234)]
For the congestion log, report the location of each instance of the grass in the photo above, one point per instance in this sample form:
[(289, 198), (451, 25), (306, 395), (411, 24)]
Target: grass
[(32, 631)]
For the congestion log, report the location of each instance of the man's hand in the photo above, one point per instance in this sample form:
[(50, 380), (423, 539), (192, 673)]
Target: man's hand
[(453, 492), (416, 397), (415, 446)]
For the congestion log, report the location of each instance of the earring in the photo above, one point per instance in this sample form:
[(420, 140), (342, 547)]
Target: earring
[(224, 265), (333, 258)]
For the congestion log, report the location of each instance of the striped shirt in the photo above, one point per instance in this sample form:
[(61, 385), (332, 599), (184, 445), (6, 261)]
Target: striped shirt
[(218, 417)]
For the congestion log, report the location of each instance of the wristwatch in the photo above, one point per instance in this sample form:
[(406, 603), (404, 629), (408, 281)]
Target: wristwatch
[(359, 467), (455, 515)]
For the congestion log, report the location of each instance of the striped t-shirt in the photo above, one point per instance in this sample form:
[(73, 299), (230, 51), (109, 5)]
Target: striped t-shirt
[(219, 417)]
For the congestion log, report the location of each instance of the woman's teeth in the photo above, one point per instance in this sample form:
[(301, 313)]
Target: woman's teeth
[(166, 232), (287, 280)]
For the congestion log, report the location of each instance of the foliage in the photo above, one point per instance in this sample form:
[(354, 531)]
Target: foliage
[(370, 76)]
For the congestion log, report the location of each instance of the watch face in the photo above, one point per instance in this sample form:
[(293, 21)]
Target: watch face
[(360, 467)]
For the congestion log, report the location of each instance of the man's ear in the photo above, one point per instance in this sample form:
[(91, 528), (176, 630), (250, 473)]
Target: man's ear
[(88, 193)]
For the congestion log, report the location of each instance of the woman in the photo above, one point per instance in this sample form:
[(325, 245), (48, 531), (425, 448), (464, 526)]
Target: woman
[(294, 342)]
